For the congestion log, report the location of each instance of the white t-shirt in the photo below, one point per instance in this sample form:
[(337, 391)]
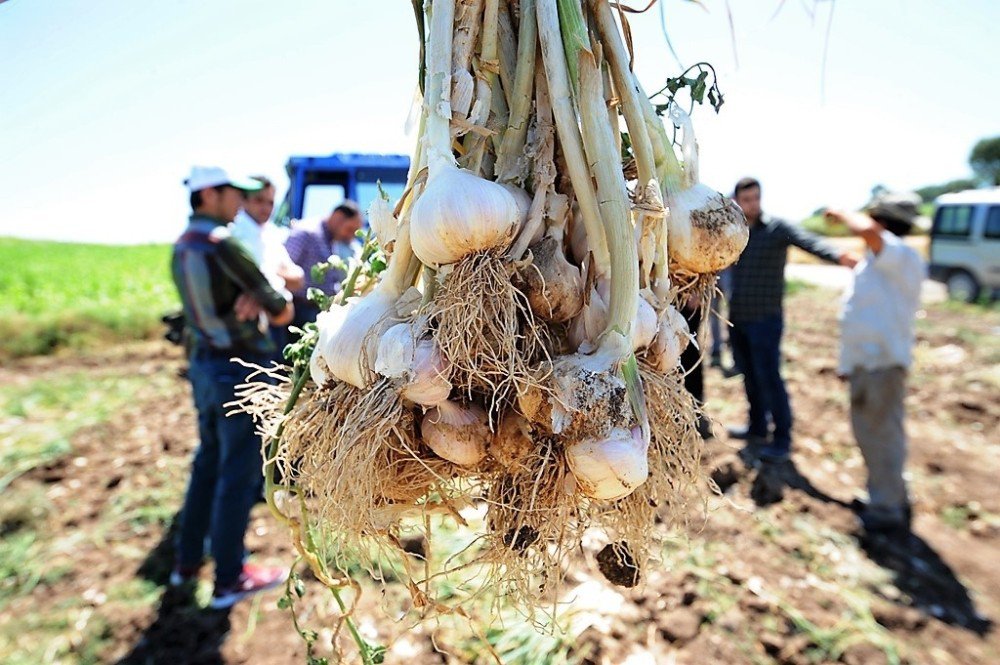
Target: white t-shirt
[(880, 307), (266, 243)]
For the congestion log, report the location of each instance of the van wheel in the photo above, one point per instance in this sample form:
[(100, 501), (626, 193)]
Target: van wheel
[(962, 286)]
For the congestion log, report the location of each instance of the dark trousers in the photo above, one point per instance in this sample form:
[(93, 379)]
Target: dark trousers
[(226, 473), (756, 349), (694, 376)]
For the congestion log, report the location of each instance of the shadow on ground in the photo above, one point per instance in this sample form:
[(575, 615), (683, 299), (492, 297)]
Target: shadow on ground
[(182, 632), (928, 583)]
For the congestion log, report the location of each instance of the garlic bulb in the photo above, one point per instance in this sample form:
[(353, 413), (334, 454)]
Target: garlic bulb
[(511, 445), (612, 467), (582, 397), (457, 433), (672, 337), (350, 349), (523, 201), (417, 362), (460, 213), (590, 323), (644, 329), (553, 285), (383, 224), (707, 231), (329, 323)]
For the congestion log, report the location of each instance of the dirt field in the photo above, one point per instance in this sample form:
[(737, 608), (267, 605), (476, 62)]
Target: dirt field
[(776, 574)]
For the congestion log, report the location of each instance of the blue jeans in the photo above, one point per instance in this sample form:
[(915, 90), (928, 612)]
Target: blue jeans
[(757, 352), (225, 475)]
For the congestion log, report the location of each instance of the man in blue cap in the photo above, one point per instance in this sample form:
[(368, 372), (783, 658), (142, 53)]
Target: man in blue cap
[(223, 294)]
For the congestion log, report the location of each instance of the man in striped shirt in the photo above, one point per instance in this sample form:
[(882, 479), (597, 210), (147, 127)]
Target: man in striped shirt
[(223, 294)]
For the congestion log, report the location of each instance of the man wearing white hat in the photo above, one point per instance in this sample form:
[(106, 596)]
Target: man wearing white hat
[(223, 293)]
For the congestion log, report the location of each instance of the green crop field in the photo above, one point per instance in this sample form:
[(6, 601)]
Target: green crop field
[(55, 295)]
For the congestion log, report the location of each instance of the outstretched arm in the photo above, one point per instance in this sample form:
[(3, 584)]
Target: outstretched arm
[(860, 225), (815, 245)]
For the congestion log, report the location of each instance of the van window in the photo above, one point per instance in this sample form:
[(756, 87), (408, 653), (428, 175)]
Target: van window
[(993, 223), (953, 222)]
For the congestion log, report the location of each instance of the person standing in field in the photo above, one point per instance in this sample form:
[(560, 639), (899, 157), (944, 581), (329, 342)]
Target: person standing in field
[(266, 243), (757, 317), (312, 243), (223, 294), (876, 350)]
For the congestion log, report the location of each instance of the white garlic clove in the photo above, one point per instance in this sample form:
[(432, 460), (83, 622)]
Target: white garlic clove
[(644, 328), (672, 337)]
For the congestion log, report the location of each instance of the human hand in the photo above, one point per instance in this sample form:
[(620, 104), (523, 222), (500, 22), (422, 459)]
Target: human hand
[(848, 259), (857, 222), (247, 308)]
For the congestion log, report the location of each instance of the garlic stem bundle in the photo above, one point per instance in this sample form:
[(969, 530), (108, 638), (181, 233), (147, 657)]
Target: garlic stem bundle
[(457, 433)]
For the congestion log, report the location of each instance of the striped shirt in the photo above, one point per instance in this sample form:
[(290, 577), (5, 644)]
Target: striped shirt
[(759, 275), (310, 243), (211, 269)]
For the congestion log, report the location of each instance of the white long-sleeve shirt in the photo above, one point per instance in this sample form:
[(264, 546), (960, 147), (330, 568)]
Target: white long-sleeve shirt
[(266, 243), (880, 307)]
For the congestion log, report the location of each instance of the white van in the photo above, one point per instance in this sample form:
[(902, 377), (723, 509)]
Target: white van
[(965, 243)]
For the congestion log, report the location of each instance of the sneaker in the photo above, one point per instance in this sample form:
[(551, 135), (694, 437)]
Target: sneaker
[(773, 454), (883, 521), (182, 575), (744, 434), (252, 580)]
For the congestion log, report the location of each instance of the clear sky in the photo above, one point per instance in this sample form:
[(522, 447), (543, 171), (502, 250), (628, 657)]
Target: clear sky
[(105, 105)]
